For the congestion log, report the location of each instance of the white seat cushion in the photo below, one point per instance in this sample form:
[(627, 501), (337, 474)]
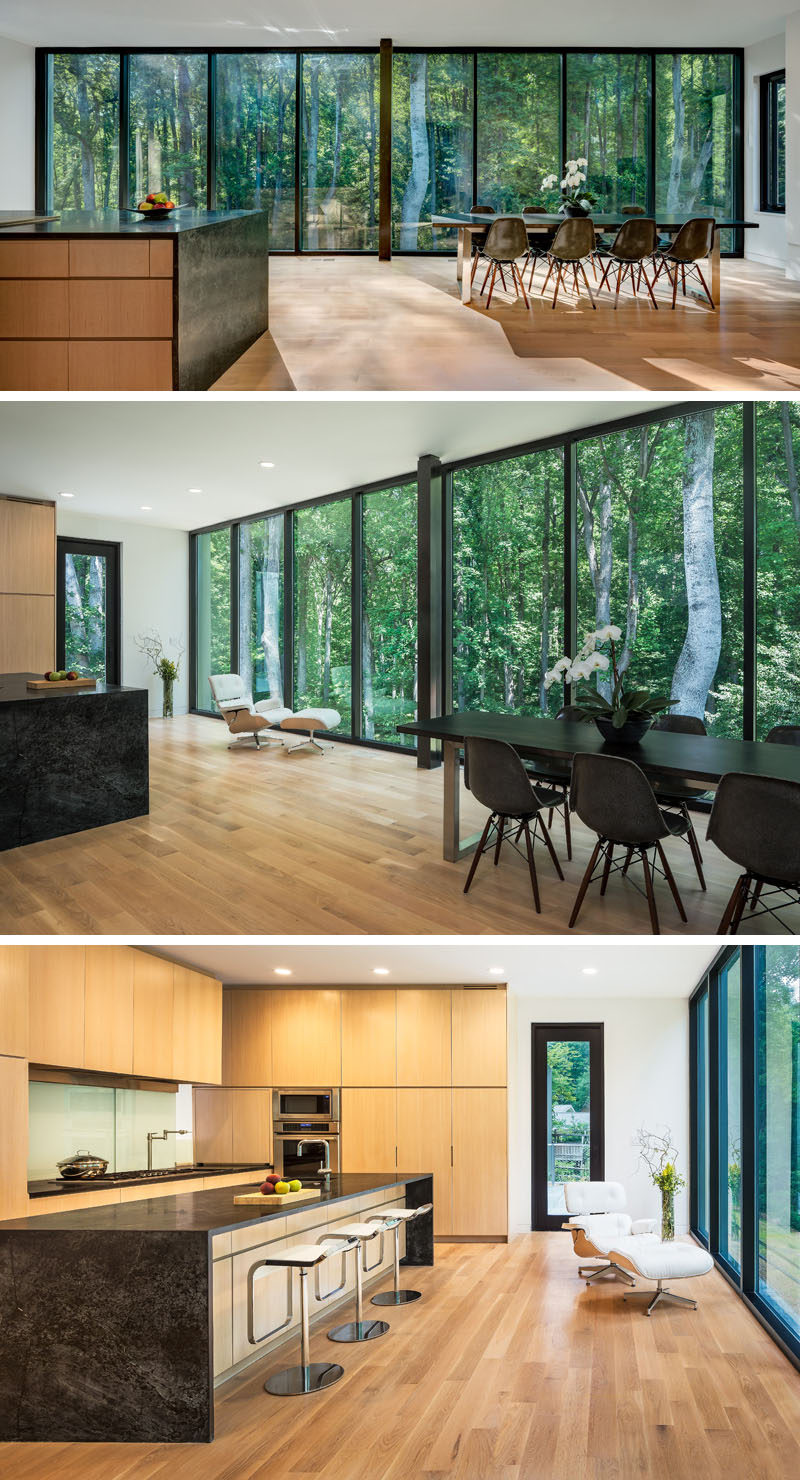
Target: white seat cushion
[(654, 1260), (356, 1230), (301, 1254), (273, 712), (312, 719), (594, 1197)]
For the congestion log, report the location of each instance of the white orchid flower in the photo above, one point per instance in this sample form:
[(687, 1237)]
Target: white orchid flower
[(562, 666), (589, 645), (608, 634), (563, 185), (580, 175), (598, 662), (582, 164), (549, 181), (576, 672)]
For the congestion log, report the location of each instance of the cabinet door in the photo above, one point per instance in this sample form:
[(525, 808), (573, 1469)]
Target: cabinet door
[(424, 1144), (213, 1125), (368, 1037), (479, 1035), (369, 1130), (252, 1125), (108, 1035), (423, 1036), (222, 1314), (152, 1016), (246, 1036), (196, 1027), (14, 1000), (480, 1163), (306, 1038), (56, 1005), (14, 1139)]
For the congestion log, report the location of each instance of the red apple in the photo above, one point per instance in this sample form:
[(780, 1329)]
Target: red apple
[(72, 673), (266, 1188)]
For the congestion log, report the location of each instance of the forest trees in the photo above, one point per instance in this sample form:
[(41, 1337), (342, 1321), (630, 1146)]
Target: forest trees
[(85, 131), (85, 614)]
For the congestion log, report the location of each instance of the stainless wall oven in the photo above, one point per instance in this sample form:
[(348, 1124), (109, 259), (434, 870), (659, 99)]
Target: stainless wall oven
[(301, 1117)]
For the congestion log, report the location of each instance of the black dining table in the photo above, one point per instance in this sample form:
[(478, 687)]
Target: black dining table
[(705, 758)]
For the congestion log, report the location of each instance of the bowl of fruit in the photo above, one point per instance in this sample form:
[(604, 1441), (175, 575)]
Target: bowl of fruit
[(156, 206)]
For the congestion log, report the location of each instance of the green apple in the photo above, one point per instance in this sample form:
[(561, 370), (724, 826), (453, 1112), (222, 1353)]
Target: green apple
[(281, 1188), (295, 1186)]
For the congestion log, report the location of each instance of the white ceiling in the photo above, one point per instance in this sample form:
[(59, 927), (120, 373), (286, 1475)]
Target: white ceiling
[(162, 23), (631, 968), (115, 456)]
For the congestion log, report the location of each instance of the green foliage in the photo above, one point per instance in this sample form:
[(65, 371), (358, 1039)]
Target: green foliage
[(389, 629), (168, 127), (569, 1074), (85, 614), (322, 578)]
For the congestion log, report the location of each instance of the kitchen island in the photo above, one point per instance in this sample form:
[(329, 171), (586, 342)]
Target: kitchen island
[(72, 760), (115, 1321), (111, 301)]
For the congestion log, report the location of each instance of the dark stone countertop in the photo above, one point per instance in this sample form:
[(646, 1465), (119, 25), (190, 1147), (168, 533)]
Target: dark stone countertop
[(121, 223), (209, 1211), (57, 1186), (13, 689)]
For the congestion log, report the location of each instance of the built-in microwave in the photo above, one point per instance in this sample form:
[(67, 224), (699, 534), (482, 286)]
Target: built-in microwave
[(307, 1105)]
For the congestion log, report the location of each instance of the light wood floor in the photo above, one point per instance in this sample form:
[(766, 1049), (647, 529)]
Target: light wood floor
[(509, 1369), (260, 842), (346, 323)]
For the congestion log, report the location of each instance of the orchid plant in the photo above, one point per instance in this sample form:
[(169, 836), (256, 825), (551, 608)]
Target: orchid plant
[(626, 701), (572, 188)]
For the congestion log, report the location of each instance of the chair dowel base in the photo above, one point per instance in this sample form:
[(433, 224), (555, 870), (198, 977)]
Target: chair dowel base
[(396, 1297), (359, 1331), (295, 1381)]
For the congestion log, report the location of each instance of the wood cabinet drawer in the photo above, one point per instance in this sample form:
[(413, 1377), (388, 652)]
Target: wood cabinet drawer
[(27, 635), (161, 259), (110, 308), (109, 259), (24, 259), (34, 310), (34, 365), (120, 365)]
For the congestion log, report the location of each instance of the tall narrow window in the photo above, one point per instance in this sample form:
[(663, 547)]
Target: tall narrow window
[(213, 611), (773, 142), (88, 612), (255, 114), (702, 1161), (340, 124), (730, 1111), (322, 608), (694, 162), (567, 1134), (261, 606), (84, 130), (607, 112), (432, 97), (778, 1130), (519, 107), (389, 613), (778, 563), (168, 126)]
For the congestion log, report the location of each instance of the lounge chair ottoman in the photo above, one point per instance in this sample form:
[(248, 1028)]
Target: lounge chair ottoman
[(660, 1262), (307, 722)]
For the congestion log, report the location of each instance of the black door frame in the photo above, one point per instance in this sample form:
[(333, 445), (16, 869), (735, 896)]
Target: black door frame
[(112, 553), (541, 1035)]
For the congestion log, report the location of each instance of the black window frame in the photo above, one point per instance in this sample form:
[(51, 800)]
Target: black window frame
[(112, 552), (769, 83), (541, 1035)]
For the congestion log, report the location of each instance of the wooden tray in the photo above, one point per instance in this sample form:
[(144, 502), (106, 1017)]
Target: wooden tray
[(277, 1199), (62, 683)]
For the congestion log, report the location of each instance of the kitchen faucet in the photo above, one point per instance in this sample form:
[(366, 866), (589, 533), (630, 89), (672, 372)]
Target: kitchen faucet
[(159, 1136), (325, 1169)]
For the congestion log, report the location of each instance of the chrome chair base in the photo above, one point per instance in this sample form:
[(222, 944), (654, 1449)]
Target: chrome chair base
[(396, 1297), (615, 1270), (660, 1294), (311, 742), (294, 1381), (359, 1331)]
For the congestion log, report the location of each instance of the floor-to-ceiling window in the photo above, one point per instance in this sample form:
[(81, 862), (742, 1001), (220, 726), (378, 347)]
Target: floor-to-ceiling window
[(323, 573), (340, 157), (83, 127), (432, 112), (778, 563), (168, 126), (260, 606), (778, 1130), (729, 1016), (519, 136), (212, 610), (608, 101), (255, 128), (696, 106), (389, 612), (701, 1115)]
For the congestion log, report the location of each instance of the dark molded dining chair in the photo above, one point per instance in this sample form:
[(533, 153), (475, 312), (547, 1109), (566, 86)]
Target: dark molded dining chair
[(614, 798), (549, 772), (498, 780), (573, 244), (634, 244), (755, 821), (676, 792), (783, 735), (692, 243), (539, 243), (506, 242), (479, 237)]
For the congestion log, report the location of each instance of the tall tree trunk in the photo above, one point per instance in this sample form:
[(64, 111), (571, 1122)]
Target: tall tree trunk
[(328, 629), (697, 664), (544, 649), (246, 604), (271, 588), (419, 175), (85, 117), (679, 139), (311, 122), (77, 644), (301, 681), (597, 538), (186, 183), (372, 144), (367, 650)]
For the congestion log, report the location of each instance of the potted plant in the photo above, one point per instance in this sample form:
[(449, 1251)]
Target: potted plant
[(629, 711), (168, 669), (575, 199), (659, 1156)]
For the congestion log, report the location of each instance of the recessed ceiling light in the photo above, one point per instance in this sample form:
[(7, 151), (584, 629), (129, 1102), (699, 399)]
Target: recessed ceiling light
[(146, 508), (380, 970), (589, 970), (266, 465), (195, 490), (497, 971), (283, 970), (66, 495)]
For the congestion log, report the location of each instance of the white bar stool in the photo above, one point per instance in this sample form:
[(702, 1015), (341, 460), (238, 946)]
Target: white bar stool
[(309, 1377), (392, 1219), (357, 1235)]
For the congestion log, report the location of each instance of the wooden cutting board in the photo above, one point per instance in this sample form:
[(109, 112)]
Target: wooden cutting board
[(277, 1199), (62, 683)]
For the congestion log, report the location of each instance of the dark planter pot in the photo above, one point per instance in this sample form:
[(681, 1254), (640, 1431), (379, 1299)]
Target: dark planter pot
[(575, 211), (630, 734)]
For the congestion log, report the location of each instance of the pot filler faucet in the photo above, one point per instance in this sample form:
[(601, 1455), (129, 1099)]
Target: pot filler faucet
[(159, 1136), (325, 1169)]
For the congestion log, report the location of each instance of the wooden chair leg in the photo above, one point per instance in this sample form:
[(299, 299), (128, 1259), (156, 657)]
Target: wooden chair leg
[(479, 852), (518, 279), (651, 899), (532, 868), (724, 924), (498, 845), (491, 285), (476, 259), (588, 289), (568, 830), (643, 274), (489, 266), (671, 881), (627, 863), (694, 846), (607, 868), (756, 894), (675, 285), (604, 278), (740, 904), (550, 266), (549, 843), (559, 282), (705, 284), (581, 895)]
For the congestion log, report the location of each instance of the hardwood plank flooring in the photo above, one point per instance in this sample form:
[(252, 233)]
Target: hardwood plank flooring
[(347, 323), (261, 843), (510, 1368)]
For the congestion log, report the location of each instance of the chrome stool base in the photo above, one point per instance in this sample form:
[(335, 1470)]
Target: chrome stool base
[(396, 1297), (294, 1381), (359, 1331)]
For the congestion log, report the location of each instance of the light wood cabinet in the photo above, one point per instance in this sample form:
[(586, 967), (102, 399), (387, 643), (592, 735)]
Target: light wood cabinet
[(480, 1162), (369, 1130), (108, 1009), (233, 1125), (306, 1038), (479, 1035), (56, 1006), (196, 1027), (246, 1036), (424, 1144), (213, 1125), (13, 1138), (423, 1036), (14, 1000), (222, 1315), (152, 1016), (27, 547), (27, 634), (369, 1040)]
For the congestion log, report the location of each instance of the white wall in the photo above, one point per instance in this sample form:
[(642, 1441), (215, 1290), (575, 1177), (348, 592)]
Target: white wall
[(155, 593), (17, 182), (768, 244), (646, 1085), (793, 146)]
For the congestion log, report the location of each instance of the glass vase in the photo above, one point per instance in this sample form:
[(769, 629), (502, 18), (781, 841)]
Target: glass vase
[(167, 687), (667, 1216)]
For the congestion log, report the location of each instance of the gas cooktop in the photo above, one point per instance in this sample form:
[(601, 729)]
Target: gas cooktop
[(135, 1176)]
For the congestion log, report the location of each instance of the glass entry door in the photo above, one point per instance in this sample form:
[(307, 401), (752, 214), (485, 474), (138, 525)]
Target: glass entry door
[(88, 609), (567, 1130)]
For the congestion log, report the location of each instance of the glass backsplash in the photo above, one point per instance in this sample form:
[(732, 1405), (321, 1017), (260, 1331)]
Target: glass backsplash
[(113, 1123)]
